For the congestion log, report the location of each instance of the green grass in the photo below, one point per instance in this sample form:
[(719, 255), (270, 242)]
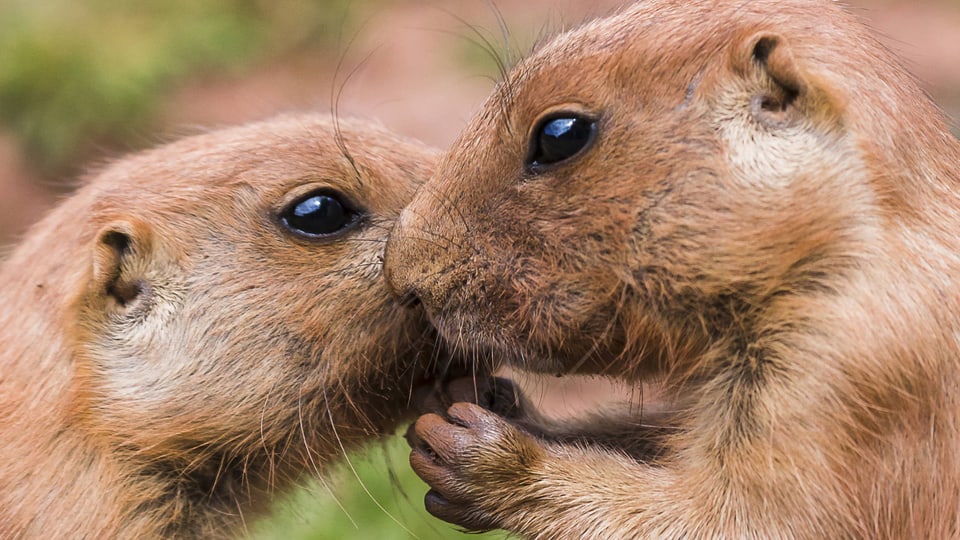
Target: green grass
[(76, 75), (383, 501)]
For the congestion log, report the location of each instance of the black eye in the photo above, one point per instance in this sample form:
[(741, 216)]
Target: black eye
[(559, 138), (318, 214)]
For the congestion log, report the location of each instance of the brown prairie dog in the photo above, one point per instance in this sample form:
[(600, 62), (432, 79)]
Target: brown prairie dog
[(750, 201), (202, 324)]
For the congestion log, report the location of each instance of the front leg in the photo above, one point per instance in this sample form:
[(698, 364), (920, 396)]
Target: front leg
[(620, 427), (501, 441), (486, 473)]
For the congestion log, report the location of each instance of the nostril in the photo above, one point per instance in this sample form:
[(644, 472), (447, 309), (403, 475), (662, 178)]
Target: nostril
[(410, 299)]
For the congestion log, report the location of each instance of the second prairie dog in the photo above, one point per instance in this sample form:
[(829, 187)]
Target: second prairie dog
[(202, 324), (749, 201)]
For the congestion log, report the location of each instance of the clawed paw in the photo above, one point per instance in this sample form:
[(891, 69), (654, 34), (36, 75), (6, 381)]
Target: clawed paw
[(494, 394), (468, 456)]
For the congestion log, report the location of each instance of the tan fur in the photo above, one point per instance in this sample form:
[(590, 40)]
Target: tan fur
[(246, 356), (767, 223)]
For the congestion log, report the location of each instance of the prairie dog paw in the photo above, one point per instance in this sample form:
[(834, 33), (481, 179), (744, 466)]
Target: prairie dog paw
[(496, 394), (471, 458)]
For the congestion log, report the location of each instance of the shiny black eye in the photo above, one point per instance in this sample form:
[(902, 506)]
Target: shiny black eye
[(559, 138), (319, 214)]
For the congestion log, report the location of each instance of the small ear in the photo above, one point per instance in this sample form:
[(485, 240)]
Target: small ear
[(779, 65), (120, 261), (789, 89)]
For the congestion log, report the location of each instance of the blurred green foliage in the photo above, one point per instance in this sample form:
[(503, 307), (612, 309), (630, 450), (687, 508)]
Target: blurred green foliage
[(80, 73), (382, 501)]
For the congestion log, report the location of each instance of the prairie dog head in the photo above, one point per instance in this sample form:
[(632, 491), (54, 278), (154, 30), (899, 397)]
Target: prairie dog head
[(648, 185), (233, 305)]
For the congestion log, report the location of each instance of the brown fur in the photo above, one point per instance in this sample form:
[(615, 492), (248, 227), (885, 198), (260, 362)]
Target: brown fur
[(766, 223), (172, 354)]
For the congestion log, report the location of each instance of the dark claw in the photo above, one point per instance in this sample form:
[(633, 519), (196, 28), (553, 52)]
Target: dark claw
[(502, 398), (411, 436), (495, 394), (440, 508)]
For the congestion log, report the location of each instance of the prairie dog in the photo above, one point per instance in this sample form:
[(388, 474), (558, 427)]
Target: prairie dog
[(202, 324), (751, 202)]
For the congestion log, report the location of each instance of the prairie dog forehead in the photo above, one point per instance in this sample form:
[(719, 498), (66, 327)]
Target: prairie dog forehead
[(664, 44), (642, 47), (266, 160)]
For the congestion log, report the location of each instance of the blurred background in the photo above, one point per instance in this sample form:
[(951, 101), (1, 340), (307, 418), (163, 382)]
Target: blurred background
[(83, 81)]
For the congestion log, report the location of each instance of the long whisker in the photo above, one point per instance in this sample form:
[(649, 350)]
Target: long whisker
[(343, 450), (313, 464)]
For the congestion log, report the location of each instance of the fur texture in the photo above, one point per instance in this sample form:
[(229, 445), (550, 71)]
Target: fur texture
[(766, 223), (171, 353)]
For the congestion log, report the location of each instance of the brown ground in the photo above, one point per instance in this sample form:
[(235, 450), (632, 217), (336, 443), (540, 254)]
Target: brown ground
[(421, 77)]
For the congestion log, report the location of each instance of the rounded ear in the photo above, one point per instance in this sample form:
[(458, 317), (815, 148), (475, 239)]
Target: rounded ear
[(121, 261), (786, 90), (777, 61)]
